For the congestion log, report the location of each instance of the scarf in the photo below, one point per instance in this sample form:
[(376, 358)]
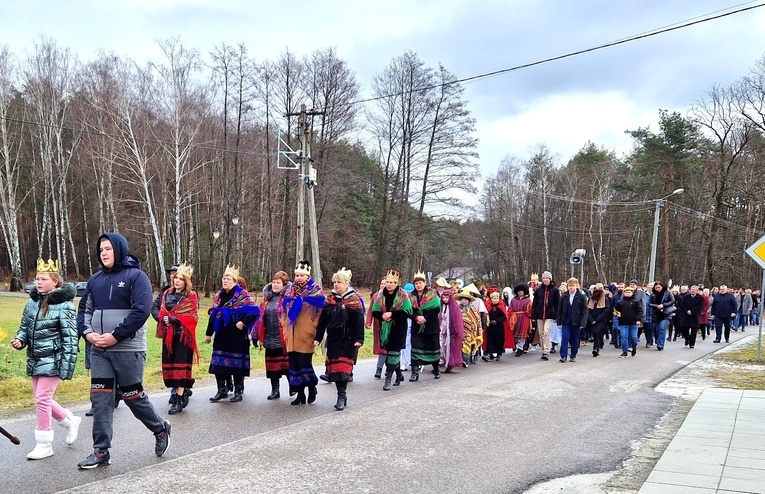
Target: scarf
[(236, 309), (187, 313), (401, 302), (428, 301), (297, 295)]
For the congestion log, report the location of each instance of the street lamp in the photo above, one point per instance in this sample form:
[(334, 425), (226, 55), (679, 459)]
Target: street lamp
[(659, 204), (216, 233), (235, 219)]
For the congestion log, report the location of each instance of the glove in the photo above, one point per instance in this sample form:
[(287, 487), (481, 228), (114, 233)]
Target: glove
[(493, 323), (254, 342)]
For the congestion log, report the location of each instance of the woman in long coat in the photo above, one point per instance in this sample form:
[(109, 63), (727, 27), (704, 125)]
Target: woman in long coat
[(177, 326), (598, 315), (232, 316), (426, 348), (519, 315), (452, 332), (343, 320), (392, 309), (495, 333), (269, 331), (373, 323)]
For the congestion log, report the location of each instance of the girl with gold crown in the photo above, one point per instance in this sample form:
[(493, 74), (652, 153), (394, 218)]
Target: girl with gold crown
[(48, 330), (270, 332), (301, 308), (343, 320), (392, 308), (232, 316), (177, 327)]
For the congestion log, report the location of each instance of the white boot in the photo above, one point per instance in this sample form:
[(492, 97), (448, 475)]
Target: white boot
[(43, 449), (72, 425)]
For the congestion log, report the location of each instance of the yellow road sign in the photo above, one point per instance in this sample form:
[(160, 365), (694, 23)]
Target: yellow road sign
[(3, 334), (757, 252)]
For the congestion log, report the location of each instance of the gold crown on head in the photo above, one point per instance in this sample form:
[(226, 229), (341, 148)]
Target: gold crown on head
[(47, 267), (419, 275), (231, 270), (534, 277), (303, 267), (186, 270), (393, 276), (344, 274)]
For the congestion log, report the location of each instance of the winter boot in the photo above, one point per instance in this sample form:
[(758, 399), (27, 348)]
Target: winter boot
[(436, 372), (178, 405), (342, 399), (43, 448), (311, 394), (274, 389), (72, 425), (230, 383), (415, 373), (378, 373), (222, 389), (300, 400), (388, 377), (238, 390), (399, 377)]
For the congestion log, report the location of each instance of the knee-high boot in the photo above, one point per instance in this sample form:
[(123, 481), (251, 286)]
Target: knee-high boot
[(238, 389), (388, 378), (342, 399), (274, 389), (222, 388), (399, 377)]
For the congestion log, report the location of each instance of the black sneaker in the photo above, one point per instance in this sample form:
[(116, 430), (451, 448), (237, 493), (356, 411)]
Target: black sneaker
[(545, 357), (95, 459), (324, 377), (162, 440)]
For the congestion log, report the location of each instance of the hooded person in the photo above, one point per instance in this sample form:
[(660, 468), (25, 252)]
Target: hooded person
[(393, 309), (451, 332), (301, 308), (342, 318), (114, 321)]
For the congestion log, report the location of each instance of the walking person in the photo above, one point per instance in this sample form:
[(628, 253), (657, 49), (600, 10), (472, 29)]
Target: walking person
[(572, 318), (155, 305), (374, 324), (649, 328), (269, 332), (49, 333), (723, 310), (495, 333), (543, 307), (519, 315), (629, 312), (662, 303), (177, 320), (117, 308), (232, 316), (704, 316), (451, 334), (425, 330), (342, 318), (689, 311), (599, 312), (393, 309), (301, 307)]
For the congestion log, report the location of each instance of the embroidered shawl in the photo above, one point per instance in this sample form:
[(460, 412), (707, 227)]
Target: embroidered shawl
[(187, 313)]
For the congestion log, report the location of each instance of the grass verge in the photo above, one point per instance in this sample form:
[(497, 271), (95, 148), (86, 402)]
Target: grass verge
[(741, 369)]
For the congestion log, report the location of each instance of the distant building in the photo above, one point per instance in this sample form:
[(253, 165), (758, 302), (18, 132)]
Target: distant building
[(467, 275)]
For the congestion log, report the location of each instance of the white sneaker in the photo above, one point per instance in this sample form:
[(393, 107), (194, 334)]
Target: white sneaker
[(43, 448), (72, 425)]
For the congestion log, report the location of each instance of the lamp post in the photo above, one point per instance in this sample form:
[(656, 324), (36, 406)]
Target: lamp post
[(655, 240)]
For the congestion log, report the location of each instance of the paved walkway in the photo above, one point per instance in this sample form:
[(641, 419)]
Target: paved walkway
[(720, 448)]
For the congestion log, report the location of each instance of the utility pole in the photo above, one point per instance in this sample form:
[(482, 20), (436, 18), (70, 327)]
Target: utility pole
[(307, 180)]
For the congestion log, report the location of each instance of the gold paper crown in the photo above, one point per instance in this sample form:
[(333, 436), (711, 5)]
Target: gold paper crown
[(231, 270), (186, 270), (393, 276), (534, 277), (47, 267), (303, 267), (419, 275), (345, 274)]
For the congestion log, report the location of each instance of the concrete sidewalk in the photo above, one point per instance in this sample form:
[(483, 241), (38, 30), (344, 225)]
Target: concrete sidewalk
[(720, 448)]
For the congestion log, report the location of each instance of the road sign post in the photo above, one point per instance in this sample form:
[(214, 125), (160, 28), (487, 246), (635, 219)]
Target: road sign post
[(757, 252)]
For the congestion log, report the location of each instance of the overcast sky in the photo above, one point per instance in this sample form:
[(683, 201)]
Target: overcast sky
[(591, 97)]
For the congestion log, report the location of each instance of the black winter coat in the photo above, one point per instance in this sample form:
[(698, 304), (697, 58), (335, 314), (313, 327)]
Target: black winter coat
[(689, 303), (545, 303)]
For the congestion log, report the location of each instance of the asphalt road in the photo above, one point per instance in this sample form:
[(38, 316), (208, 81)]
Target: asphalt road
[(494, 427)]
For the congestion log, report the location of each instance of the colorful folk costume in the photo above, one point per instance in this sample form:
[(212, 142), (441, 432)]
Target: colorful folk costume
[(452, 331), (231, 345), (343, 321), (301, 308), (426, 345), (495, 333), (269, 332), (382, 355), (471, 323), (519, 315), (180, 351), (392, 309)]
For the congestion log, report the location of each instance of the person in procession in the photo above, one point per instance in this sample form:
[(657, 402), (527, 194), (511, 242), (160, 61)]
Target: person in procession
[(48, 331), (543, 307), (519, 315), (177, 320), (599, 312), (342, 318), (572, 317), (629, 312), (269, 332), (232, 316), (374, 324), (426, 306), (301, 307), (495, 332), (393, 308)]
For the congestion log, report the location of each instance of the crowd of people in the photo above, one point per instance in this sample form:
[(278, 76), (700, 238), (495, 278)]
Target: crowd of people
[(415, 327)]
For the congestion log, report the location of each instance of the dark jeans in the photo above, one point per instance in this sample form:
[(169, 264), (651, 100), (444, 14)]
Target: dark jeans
[(721, 321), (569, 335), (689, 334), (648, 331)]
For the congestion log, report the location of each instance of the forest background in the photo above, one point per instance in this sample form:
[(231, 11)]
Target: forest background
[(169, 152)]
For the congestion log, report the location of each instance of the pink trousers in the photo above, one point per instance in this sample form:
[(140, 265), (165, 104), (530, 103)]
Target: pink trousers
[(43, 388)]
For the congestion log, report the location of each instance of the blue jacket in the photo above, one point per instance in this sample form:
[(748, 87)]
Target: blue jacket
[(724, 305), (119, 299)]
